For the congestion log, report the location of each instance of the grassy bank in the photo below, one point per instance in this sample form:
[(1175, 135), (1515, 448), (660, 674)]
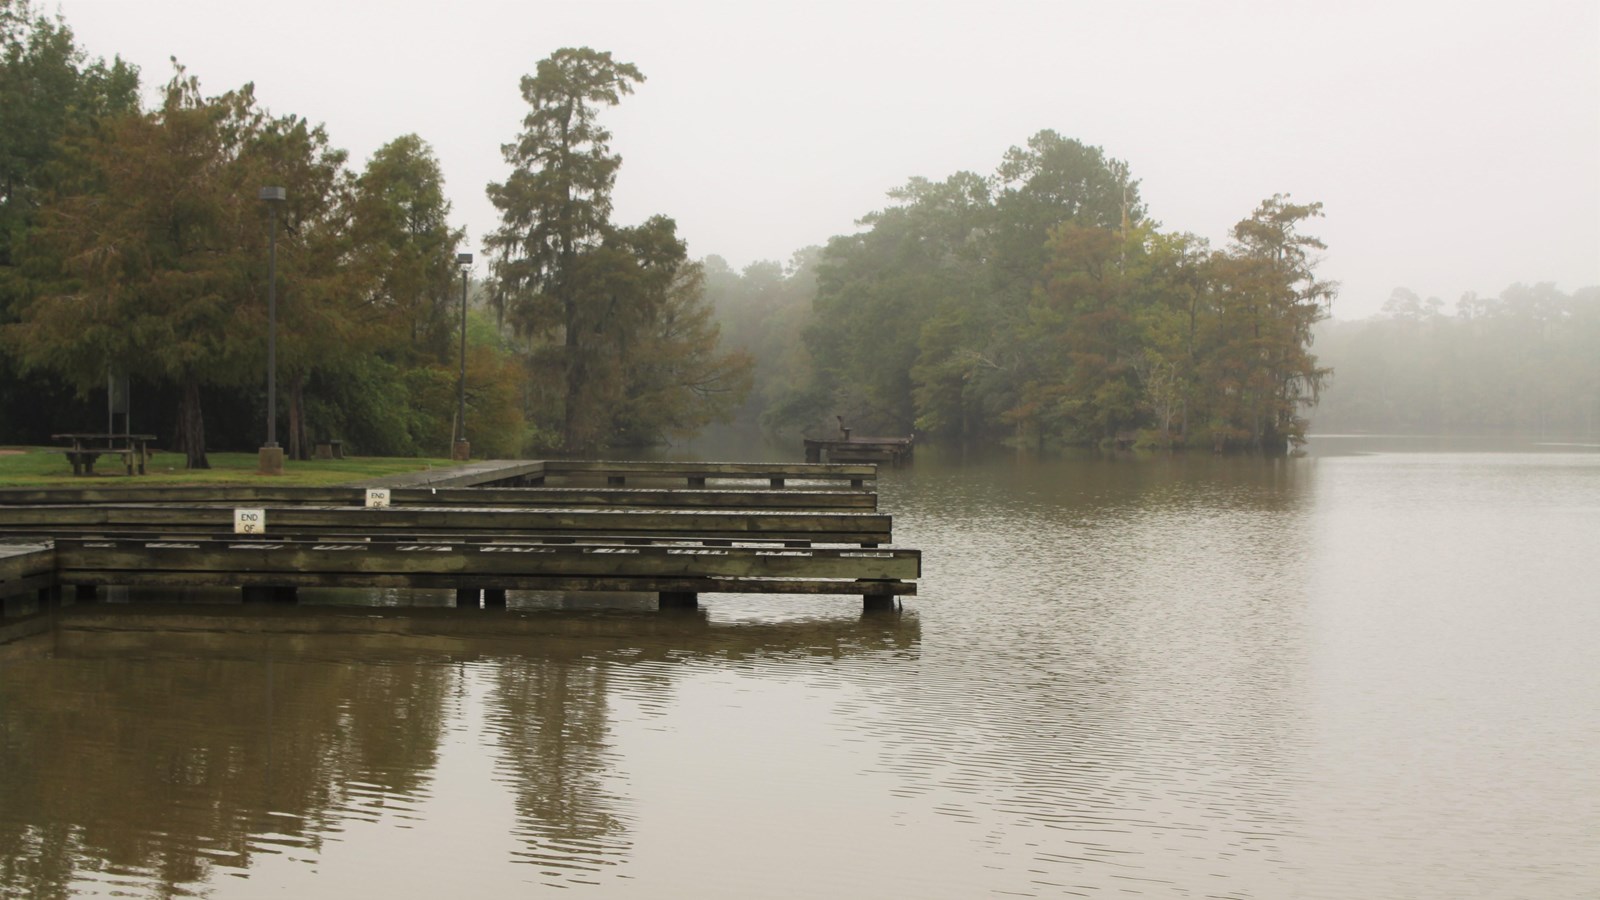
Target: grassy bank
[(33, 466)]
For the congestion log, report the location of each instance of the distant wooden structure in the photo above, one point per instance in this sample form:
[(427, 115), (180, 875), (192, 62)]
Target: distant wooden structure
[(847, 448)]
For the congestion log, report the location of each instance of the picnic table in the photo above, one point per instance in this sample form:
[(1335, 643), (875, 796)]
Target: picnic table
[(86, 448)]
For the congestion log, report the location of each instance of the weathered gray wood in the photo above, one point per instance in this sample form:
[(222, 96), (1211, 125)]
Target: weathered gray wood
[(25, 568), (484, 541), (86, 580), (529, 497), (896, 450), (568, 468), (485, 472), (816, 527), (480, 560)]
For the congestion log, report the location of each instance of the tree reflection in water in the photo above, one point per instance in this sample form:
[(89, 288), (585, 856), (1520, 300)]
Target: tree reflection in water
[(149, 750)]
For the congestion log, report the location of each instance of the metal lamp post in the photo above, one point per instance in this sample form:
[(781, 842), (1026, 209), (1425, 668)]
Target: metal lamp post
[(462, 450), (271, 453)]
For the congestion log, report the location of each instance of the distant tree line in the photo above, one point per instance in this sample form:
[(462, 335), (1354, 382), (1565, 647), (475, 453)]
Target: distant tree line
[(133, 242), (1525, 362), (1040, 304)]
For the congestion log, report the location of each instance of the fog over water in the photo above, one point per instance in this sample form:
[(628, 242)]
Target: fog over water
[(1453, 144)]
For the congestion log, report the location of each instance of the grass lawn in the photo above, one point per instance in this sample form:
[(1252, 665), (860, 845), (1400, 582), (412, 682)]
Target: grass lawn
[(32, 466)]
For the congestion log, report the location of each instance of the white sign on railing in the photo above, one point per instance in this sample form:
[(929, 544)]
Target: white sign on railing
[(377, 498), (249, 521)]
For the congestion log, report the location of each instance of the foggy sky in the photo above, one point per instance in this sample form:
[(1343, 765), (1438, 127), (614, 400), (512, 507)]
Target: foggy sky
[(1455, 146)]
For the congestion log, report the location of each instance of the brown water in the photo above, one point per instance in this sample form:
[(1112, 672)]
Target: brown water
[(1367, 673)]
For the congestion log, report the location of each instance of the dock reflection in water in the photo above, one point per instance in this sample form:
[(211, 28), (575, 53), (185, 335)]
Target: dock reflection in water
[(147, 750)]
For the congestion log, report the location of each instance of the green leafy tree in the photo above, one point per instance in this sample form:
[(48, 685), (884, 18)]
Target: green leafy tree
[(1171, 277), (1082, 341), (933, 318), (49, 89), (919, 261), (762, 312), (676, 377), (555, 208), (402, 236), (1257, 360), (154, 261), (618, 312)]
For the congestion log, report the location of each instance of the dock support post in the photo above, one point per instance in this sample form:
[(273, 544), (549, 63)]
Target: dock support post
[(678, 600), (86, 593), (494, 598), (877, 602), (467, 598), (777, 482)]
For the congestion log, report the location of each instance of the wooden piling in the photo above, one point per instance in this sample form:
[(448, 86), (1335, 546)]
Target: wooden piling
[(678, 600)]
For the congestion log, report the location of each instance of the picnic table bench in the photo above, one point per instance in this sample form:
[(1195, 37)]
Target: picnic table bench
[(86, 448)]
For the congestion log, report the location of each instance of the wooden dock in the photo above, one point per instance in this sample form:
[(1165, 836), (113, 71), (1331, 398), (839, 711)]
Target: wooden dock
[(26, 568), (849, 449), (617, 472), (782, 535)]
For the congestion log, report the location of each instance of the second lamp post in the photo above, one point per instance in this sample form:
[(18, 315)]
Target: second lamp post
[(271, 456), (462, 450)]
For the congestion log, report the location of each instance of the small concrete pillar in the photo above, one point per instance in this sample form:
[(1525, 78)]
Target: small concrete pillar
[(461, 451), (270, 461)]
